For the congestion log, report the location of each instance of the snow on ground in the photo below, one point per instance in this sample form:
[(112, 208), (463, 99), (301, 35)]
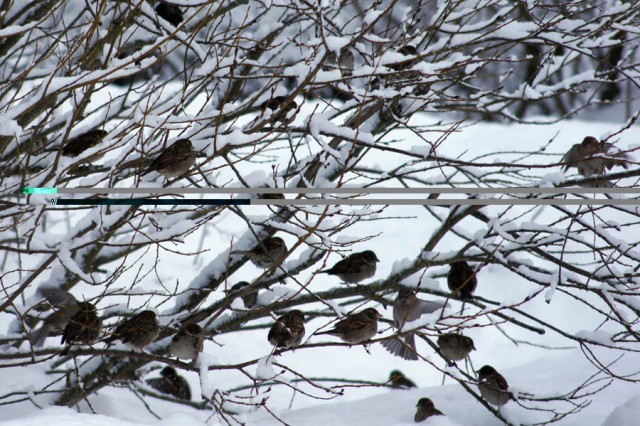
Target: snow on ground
[(616, 405)]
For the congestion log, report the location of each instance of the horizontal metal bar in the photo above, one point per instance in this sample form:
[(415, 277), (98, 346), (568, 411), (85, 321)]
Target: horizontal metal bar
[(377, 190), (145, 202), (352, 202)]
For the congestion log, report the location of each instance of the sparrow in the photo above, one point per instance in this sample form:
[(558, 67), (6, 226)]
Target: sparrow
[(138, 331), (186, 343), (175, 160), (355, 268), (356, 328), (170, 13), (277, 103), (56, 297), (455, 347), (492, 386), (588, 158), (406, 308), (462, 280), (397, 380), (249, 299), (288, 330), (344, 61), (83, 327), (268, 253), (79, 144), (425, 410), (406, 50), (54, 323), (171, 383)]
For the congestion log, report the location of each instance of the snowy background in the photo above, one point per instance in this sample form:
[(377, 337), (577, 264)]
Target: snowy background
[(496, 95), (528, 368)]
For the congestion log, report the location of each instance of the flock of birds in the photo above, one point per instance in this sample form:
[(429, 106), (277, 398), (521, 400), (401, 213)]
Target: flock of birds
[(80, 324), (590, 157)]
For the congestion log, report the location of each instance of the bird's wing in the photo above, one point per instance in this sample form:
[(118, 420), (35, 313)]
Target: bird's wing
[(404, 348), (354, 322), (428, 307), (340, 267), (571, 157), (611, 151)]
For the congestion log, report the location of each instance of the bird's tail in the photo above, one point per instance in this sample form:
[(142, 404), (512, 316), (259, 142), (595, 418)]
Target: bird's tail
[(65, 351), (243, 252), (600, 183), (405, 347)]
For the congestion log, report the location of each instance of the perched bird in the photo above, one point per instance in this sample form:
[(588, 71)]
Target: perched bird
[(172, 384), (425, 410), (249, 299), (397, 380), (589, 158), (288, 330), (56, 297), (492, 386), (278, 103), (170, 13), (344, 61), (138, 331), (355, 268), (54, 323), (406, 50), (356, 328), (406, 308), (462, 280), (455, 347), (175, 160), (268, 253), (186, 343), (84, 327), (79, 144)]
